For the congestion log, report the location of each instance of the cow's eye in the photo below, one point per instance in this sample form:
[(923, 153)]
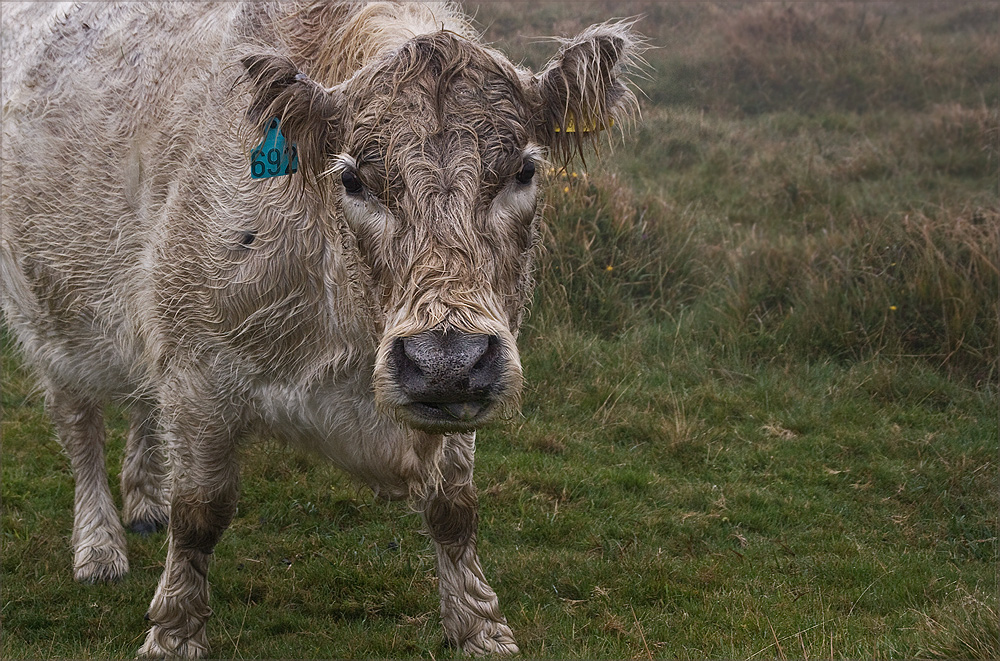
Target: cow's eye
[(527, 172), (352, 182)]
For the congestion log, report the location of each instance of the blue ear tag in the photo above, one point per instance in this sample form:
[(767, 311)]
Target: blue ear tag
[(273, 157)]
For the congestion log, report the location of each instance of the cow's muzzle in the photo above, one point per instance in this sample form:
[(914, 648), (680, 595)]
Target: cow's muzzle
[(450, 380)]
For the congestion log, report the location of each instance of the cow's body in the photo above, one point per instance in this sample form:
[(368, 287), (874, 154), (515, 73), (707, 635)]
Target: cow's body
[(371, 322)]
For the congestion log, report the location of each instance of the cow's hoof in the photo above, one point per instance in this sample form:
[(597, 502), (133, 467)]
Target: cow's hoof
[(161, 645), (100, 565), (493, 638)]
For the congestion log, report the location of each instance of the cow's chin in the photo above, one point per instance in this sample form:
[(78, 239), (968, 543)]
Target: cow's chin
[(446, 417)]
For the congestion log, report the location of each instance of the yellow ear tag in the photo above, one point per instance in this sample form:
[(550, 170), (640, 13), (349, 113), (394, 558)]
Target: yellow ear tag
[(571, 126)]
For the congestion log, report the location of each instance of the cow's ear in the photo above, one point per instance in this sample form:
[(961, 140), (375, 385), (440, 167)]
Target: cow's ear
[(583, 89), (309, 114)]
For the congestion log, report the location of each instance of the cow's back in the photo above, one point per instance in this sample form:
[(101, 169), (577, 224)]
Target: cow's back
[(102, 107)]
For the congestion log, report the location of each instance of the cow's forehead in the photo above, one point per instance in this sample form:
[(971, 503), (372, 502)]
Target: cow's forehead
[(441, 98)]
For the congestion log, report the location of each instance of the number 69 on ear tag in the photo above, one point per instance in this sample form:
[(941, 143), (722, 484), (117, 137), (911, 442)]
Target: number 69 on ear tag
[(273, 157)]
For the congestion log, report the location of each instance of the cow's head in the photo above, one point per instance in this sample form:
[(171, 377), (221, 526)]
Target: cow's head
[(429, 161)]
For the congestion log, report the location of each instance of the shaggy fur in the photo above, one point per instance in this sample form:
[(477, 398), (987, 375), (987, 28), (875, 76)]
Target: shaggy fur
[(141, 263)]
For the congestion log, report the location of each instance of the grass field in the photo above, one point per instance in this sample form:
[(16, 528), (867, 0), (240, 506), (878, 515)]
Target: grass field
[(762, 411)]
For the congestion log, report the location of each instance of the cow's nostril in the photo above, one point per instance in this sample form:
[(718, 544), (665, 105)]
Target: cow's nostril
[(487, 369)]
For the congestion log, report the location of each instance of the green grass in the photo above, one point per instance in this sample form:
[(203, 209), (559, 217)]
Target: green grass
[(653, 495), (761, 414)]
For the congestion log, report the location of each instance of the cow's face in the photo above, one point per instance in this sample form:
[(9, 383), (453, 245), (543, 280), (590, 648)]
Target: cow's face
[(429, 160)]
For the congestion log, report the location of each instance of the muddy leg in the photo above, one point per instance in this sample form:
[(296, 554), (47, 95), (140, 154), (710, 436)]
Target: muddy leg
[(98, 539), (470, 611), (145, 490)]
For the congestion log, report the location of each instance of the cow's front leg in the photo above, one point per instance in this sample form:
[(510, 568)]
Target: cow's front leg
[(470, 611), (204, 492)]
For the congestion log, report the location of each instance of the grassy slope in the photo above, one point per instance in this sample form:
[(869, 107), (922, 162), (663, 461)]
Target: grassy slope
[(770, 428)]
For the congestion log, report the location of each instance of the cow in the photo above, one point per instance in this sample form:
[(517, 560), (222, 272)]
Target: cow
[(314, 221)]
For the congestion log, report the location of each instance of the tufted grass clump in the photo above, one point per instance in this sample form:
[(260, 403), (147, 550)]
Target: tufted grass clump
[(917, 284), (611, 257), (917, 287)]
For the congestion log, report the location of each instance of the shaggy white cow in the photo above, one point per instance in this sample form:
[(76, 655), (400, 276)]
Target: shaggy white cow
[(311, 220)]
